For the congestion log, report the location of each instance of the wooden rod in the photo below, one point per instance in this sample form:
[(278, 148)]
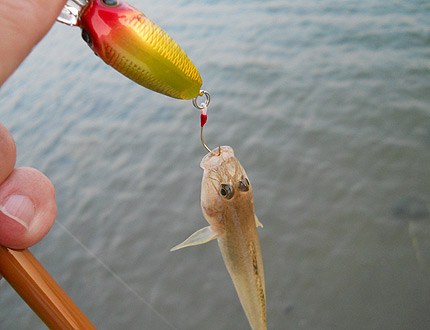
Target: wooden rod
[(40, 291)]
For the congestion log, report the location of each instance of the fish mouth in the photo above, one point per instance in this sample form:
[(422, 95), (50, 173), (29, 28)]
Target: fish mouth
[(216, 157)]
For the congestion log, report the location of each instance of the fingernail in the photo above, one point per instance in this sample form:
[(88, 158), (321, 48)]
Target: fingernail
[(18, 208)]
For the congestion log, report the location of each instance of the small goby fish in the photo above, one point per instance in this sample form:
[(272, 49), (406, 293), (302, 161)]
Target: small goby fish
[(131, 43), (228, 206)]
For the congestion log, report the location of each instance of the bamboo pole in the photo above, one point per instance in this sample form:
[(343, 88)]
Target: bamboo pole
[(40, 291)]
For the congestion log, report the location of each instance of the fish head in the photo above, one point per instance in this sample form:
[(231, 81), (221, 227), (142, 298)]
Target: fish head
[(225, 186)]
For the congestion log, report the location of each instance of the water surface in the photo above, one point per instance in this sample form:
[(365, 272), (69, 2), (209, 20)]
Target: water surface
[(327, 105)]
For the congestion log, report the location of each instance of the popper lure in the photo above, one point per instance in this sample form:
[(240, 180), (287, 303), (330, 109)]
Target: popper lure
[(131, 43)]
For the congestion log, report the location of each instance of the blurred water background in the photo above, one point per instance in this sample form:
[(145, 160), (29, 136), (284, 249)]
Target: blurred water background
[(327, 105)]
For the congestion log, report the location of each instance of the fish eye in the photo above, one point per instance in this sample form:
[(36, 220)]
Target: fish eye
[(111, 3), (244, 184), (86, 37), (226, 191)]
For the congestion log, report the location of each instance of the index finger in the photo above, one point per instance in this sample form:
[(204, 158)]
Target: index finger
[(23, 23)]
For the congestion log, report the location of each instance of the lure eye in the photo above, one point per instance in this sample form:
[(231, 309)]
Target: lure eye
[(86, 37), (226, 191), (244, 184), (111, 3)]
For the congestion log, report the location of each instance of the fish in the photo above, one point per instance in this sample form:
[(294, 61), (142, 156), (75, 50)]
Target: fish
[(127, 40), (228, 206)]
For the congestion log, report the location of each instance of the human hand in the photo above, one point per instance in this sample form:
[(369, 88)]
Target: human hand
[(27, 198), (23, 23)]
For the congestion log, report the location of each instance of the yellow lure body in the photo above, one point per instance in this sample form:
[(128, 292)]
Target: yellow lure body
[(131, 43)]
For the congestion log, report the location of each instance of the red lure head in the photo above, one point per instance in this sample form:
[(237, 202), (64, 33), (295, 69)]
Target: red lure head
[(98, 20)]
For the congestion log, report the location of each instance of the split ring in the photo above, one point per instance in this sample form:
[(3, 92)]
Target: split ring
[(208, 99)]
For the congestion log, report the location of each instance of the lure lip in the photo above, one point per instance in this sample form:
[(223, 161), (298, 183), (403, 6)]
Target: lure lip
[(69, 15)]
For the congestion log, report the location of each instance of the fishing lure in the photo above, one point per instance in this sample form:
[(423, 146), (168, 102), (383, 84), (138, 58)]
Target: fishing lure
[(131, 43)]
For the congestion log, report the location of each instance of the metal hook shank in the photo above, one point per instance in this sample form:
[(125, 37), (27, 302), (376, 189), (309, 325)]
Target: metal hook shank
[(204, 144)]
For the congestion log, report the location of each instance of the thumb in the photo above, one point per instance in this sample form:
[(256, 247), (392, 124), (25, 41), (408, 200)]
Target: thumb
[(27, 208)]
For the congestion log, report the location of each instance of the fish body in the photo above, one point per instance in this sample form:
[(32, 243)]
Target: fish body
[(228, 206), (131, 43)]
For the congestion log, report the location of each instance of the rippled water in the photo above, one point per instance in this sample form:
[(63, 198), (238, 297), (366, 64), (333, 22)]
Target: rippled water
[(327, 105)]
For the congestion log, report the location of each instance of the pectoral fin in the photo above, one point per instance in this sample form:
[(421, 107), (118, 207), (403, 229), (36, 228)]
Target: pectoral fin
[(257, 222), (201, 236)]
